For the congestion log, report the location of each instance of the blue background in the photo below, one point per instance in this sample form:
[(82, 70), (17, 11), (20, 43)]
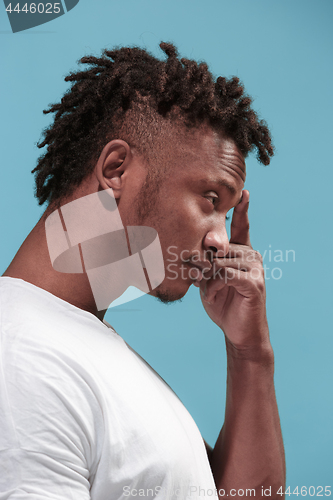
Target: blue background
[(282, 50)]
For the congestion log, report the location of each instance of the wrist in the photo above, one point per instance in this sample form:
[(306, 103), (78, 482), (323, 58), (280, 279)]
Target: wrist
[(261, 352), (250, 370)]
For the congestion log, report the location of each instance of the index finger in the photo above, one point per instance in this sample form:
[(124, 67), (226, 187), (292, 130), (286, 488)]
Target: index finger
[(240, 225)]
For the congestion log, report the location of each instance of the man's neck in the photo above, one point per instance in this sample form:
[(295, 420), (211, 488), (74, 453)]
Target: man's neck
[(32, 264)]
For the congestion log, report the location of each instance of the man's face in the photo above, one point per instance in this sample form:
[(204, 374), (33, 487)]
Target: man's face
[(205, 180)]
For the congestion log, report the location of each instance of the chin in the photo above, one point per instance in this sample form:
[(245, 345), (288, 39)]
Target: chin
[(169, 293)]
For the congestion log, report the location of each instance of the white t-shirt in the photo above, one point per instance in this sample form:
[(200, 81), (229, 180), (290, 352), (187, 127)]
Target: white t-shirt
[(82, 415)]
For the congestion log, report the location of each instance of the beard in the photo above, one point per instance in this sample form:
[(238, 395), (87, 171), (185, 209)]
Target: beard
[(146, 200), (167, 297), (146, 210)]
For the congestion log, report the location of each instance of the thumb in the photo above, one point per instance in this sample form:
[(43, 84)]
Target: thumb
[(240, 225)]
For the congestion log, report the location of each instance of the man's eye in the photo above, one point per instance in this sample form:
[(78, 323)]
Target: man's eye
[(212, 199)]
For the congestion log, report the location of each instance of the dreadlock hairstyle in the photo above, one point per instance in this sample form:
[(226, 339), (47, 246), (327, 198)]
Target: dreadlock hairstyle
[(99, 107)]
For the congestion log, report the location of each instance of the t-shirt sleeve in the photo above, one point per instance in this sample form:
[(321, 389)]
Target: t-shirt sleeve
[(49, 418)]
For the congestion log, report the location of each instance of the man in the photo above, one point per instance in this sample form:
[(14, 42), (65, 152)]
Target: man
[(83, 416)]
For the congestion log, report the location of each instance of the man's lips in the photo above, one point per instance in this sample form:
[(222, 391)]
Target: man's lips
[(199, 278), (202, 268)]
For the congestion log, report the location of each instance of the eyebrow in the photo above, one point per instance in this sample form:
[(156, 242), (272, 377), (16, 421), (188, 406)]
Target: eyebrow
[(230, 187)]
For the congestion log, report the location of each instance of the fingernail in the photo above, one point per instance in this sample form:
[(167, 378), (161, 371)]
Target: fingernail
[(204, 295), (206, 299)]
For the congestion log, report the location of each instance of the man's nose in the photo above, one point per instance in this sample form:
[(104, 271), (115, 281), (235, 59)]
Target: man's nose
[(217, 242)]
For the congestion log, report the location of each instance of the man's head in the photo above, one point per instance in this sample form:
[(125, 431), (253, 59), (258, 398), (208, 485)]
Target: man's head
[(204, 181), (168, 138), (128, 94)]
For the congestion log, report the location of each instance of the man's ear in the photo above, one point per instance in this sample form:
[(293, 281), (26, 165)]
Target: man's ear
[(111, 165)]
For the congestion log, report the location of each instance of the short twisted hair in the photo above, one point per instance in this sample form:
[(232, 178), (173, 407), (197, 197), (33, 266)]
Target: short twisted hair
[(101, 98)]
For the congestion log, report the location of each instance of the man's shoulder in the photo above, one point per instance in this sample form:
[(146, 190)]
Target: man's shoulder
[(43, 335), (28, 311)]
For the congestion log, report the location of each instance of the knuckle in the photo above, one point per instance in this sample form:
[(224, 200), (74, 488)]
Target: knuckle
[(261, 286), (230, 273), (258, 256), (260, 282)]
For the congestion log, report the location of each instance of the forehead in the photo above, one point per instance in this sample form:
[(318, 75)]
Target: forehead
[(206, 152)]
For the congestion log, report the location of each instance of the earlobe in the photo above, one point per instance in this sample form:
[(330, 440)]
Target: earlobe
[(111, 165)]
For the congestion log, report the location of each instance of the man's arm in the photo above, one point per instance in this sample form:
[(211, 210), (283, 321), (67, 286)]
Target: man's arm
[(248, 454), (249, 451)]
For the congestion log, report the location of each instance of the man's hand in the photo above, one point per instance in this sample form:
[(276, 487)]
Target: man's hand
[(249, 450), (234, 297)]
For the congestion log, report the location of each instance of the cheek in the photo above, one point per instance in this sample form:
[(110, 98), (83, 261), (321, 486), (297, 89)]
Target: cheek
[(189, 230), (188, 213), (183, 224)]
